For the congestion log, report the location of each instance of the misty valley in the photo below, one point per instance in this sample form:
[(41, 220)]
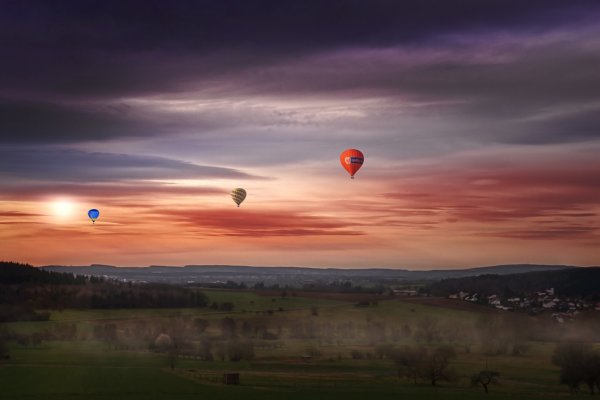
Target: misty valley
[(83, 336)]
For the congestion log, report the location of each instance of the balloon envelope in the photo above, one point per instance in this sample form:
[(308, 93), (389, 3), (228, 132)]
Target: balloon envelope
[(93, 214), (238, 195), (352, 160)]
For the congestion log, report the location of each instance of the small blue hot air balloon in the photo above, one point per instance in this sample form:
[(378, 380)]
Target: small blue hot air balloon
[(93, 214)]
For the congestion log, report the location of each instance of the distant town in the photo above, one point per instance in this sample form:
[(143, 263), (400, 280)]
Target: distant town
[(563, 308)]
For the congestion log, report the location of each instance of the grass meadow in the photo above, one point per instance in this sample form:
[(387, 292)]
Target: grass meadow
[(337, 359)]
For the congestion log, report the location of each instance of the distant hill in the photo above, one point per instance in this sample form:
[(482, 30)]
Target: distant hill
[(581, 282), (291, 276)]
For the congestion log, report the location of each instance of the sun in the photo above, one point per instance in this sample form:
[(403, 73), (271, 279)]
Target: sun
[(63, 208)]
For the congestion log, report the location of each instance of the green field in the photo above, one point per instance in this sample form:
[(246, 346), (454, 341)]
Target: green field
[(85, 367)]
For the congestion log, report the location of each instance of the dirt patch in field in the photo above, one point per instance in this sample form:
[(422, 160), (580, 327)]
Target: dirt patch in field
[(454, 304)]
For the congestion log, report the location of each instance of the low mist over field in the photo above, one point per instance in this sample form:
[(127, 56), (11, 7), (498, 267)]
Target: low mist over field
[(340, 338)]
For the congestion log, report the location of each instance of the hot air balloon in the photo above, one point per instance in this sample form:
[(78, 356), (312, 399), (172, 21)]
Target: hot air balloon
[(352, 160), (238, 195), (93, 214)]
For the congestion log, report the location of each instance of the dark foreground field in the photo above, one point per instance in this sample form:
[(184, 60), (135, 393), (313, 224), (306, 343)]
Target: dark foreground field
[(314, 348)]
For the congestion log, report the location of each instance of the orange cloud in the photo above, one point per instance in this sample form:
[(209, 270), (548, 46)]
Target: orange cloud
[(242, 222)]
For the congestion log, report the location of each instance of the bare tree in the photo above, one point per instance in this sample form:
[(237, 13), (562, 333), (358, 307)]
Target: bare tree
[(4, 354), (200, 324), (385, 350), (107, 333), (376, 332), (228, 328), (205, 350), (579, 363), (591, 372), (408, 361), (428, 330), (240, 350), (221, 351), (246, 330), (485, 378), (436, 366), (164, 343)]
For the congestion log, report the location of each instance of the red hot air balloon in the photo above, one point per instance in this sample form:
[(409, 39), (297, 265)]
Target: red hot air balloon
[(352, 160)]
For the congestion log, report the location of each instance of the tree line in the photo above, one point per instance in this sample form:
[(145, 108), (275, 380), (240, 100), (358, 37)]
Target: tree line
[(579, 364), (24, 288), (576, 282), (18, 273)]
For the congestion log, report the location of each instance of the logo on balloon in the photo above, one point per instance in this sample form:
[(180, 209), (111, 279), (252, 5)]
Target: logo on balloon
[(353, 160)]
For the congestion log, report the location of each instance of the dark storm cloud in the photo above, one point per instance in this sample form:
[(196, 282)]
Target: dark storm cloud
[(521, 88), (78, 46), (79, 166), (139, 47), (49, 122), (65, 64)]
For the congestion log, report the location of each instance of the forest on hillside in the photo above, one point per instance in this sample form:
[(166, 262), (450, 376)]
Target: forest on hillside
[(24, 288), (575, 282)]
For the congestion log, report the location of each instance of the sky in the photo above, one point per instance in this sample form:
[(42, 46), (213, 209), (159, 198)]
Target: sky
[(479, 122)]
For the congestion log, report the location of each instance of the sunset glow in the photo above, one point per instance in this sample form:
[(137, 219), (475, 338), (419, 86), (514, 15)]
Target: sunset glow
[(63, 208), (481, 141)]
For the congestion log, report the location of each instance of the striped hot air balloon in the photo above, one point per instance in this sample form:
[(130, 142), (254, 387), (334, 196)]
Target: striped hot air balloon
[(352, 160), (238, 195)]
